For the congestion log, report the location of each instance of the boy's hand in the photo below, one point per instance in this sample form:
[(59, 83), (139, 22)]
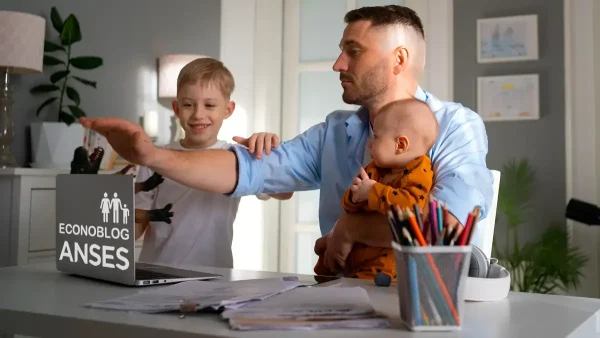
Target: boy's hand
[(361, 187), (259, 141)]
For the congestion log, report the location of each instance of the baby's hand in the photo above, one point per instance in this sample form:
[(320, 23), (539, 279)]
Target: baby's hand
[(259, 141), (361, 187)]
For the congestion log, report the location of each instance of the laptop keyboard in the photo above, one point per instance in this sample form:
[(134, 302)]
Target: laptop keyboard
[(148, 274)]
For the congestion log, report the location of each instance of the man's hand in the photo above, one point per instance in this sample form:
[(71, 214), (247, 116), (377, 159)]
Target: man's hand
[(259, 141), (152, 182), (321, 244), (338, 246), (127, 138), (361, 187), (125, 170), (161, 215)]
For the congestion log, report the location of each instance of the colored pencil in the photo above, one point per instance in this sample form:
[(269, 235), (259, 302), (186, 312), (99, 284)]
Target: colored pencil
[(441, 218), (475, 221)]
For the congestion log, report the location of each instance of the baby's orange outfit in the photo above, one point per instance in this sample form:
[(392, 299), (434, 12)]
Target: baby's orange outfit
[(408, 187)]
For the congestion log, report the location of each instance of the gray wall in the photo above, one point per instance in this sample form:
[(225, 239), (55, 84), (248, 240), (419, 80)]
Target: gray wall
[(542, 141), (130, 35)]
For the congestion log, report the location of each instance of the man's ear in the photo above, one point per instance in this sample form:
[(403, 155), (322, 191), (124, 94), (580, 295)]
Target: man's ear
[(229, 108), (175, 108), (400, 59), (401, 144)]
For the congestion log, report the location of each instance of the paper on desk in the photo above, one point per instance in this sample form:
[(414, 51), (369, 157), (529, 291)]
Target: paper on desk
[(309, 308), (203, 294), (254, 324)]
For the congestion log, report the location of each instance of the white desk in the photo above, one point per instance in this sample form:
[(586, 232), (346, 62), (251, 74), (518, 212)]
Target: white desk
[(37, 300)]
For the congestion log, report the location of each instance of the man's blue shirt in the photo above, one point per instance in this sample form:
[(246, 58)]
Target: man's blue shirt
[(329, 155)]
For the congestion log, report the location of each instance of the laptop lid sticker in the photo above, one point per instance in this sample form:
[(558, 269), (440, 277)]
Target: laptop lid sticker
[(95, 234)]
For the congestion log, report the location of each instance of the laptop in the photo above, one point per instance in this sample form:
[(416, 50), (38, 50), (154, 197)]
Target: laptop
[(95, 233)]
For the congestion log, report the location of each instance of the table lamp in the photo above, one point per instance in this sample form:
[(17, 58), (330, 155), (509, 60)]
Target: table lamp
[(169, 67), (21, 52)]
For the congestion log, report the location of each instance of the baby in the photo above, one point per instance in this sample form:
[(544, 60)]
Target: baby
[(400, 173)]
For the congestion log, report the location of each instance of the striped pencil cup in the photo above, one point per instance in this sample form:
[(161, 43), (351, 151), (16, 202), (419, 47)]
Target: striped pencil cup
[(431, 282)]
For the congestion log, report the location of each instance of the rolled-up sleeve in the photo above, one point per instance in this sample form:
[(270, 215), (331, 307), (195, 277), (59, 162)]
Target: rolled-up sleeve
[(462, 178), (293, 166)]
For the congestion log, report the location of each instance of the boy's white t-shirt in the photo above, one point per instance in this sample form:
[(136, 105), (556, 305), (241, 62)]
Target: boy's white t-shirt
[(201, 229)]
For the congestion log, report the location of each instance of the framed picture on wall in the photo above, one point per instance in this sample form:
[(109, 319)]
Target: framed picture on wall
[(508, 97), (505, 39)]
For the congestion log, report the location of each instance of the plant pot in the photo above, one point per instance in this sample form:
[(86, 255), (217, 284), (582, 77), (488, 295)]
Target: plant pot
[(53, 144)]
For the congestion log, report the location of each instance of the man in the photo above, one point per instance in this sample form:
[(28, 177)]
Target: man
[(382, 56)]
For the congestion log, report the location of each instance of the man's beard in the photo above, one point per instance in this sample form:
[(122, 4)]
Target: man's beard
[(372, 85)]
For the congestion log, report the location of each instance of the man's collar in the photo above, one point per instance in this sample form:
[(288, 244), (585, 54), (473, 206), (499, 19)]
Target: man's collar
[(420, 94), (360, 117)]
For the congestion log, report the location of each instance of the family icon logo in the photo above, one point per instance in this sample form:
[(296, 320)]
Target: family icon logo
[(113, 205)]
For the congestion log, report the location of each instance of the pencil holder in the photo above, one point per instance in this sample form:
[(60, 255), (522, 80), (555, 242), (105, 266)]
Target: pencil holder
[(431, 282)]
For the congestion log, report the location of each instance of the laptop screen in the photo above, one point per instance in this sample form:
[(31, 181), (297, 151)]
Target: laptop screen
[(95, 234)]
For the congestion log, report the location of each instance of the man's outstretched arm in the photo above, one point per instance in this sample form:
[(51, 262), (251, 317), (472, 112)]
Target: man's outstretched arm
[(293, 166), (213, 170)]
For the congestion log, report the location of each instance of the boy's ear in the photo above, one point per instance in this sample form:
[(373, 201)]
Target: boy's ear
[(229, 108), (175, 107), (401, 144)]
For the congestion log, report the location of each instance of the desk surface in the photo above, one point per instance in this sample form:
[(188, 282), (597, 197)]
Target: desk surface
[(37, 300)]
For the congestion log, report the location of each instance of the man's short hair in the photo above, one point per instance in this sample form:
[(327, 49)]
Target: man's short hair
[(207, 71), (387, 15)]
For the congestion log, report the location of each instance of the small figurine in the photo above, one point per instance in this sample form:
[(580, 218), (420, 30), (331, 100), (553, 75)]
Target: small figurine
[(84, 164)]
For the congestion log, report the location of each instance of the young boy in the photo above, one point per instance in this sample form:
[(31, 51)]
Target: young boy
[(400, 173), (201, 228)]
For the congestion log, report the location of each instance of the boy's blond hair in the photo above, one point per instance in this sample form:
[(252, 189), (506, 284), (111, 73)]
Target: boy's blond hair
[(207, 71)]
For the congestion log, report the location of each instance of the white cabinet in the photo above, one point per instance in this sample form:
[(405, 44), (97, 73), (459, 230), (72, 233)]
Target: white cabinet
[(28, 216)]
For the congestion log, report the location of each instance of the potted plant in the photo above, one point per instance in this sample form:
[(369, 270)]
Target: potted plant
[(53, 142), (546, 265)]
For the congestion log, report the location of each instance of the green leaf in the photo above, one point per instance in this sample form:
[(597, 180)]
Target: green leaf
[(76, 111), (45, 88), (86, 62), (516, 191), (45, 103), (52, 61), (70, 32), (85, 82), (61, 74), (57, 22), (73, 95), (52, 47), (65, 117)]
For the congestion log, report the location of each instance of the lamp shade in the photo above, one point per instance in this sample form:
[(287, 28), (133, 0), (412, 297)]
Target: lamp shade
[(169, 67), (21, 42)]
